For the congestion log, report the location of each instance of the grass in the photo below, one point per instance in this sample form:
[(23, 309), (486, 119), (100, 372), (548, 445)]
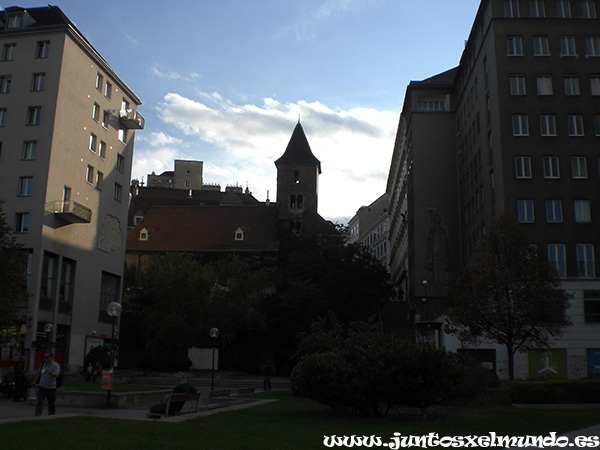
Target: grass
[(290, 423)]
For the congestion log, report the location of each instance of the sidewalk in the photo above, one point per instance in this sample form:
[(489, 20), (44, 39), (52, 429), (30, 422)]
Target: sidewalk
[(19, 411)]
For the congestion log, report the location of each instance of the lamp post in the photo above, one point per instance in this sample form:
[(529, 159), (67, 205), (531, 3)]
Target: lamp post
[(214, 334), (114, 311)]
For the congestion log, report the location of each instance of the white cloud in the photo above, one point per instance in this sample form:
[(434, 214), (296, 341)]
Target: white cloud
[(240, 142), (161, 72)]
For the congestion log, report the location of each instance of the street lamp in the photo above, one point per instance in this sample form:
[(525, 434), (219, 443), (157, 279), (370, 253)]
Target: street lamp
[(48, 330), (114, 311), (214, 334)]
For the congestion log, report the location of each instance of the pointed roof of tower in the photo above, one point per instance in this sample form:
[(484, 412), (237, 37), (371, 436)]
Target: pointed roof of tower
[(298, 150)]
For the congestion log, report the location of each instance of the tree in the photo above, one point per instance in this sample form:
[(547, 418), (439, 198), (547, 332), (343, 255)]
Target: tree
[(12, 276), (508, 294)]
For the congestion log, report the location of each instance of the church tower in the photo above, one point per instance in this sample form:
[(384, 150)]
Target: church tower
[(298, 173)]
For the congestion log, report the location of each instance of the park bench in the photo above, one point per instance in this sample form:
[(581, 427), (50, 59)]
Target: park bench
[(175, 404), (243, 392), (219, 396)]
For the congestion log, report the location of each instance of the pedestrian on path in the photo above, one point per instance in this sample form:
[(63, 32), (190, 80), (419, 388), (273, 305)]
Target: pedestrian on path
[(46, 377)]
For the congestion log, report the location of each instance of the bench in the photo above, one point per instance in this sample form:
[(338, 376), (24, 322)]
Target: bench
[(221, 395), (175, 403), (243, 392)]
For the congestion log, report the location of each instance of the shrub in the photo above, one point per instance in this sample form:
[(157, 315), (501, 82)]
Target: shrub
[(97, 354), (369, 372)]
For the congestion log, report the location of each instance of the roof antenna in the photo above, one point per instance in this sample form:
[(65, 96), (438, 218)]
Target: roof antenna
[(298, 117)]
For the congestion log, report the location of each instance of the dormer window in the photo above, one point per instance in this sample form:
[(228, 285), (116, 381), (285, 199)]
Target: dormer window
[(239, 235), (144, 235), (15, 21)]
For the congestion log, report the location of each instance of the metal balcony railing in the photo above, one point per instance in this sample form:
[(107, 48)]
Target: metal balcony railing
[(73, 212), (132, 119)]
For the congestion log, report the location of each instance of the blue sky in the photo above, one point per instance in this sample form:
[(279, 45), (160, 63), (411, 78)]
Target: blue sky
[(224, 82)]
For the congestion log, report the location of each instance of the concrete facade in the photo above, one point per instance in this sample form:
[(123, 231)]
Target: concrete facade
[(67, 146), (517, 127)]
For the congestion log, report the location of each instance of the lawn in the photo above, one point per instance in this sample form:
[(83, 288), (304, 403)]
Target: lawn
[(290, 423)]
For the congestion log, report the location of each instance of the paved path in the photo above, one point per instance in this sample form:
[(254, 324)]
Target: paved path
[(19, 411)]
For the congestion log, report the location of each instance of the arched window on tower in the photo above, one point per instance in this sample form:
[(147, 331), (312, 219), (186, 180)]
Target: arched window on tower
[(296, 176), (299, 201), (292, 201)]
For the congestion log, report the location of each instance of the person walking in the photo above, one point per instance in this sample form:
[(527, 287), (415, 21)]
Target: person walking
[(46, 377)]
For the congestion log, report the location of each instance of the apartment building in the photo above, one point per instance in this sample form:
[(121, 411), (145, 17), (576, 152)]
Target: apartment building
[(517, 130), (67, 124)]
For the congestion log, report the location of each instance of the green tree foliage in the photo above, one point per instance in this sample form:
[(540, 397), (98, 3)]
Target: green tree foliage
[(508, 294), (370, 373), (12, 274)]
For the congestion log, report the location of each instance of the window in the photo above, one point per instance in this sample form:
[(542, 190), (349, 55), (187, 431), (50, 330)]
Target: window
[(567, 46), (547, 125), (41, 49), (520, 125), (585, 261), (554, 211), (511, 8), (591, 306), (5, 84), (89, 174), (431, 105), (592, 46), (15, 21), (514, 46), (117, 192), (67, 283), (517, 85), (25, 186), (29, 150), (109, 292), (239, 235), (33, 115), (595, 85), (102, 150), (557, 254), (93, 142), (121, 134), (563, 9), (582, 211), (120, 163), (108, 90), (105, 119), (588, 9), (144, 235), (572, 85), (551, 168), (8, 52), (38, 80), (22, 223), (525, 211), (544, 85), (596, 124), (96, 112), (523, 166), (99, 81), (537, 8), (99, 180), (579, 167), (575, 123), (2, 117), (541, 46)]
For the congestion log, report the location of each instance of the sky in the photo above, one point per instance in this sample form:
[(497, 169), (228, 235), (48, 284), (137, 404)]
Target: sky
[(226, 81)]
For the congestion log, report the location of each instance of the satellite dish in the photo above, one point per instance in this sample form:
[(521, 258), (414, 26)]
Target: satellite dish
[(114, 309), (214, 333)]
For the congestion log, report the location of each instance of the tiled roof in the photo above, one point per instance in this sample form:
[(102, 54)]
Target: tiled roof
[(206, 229), (298, 150), (148, 197)]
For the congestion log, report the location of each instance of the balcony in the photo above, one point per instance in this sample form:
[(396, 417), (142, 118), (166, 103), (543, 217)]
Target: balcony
[(131, 119), (72, 212)]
